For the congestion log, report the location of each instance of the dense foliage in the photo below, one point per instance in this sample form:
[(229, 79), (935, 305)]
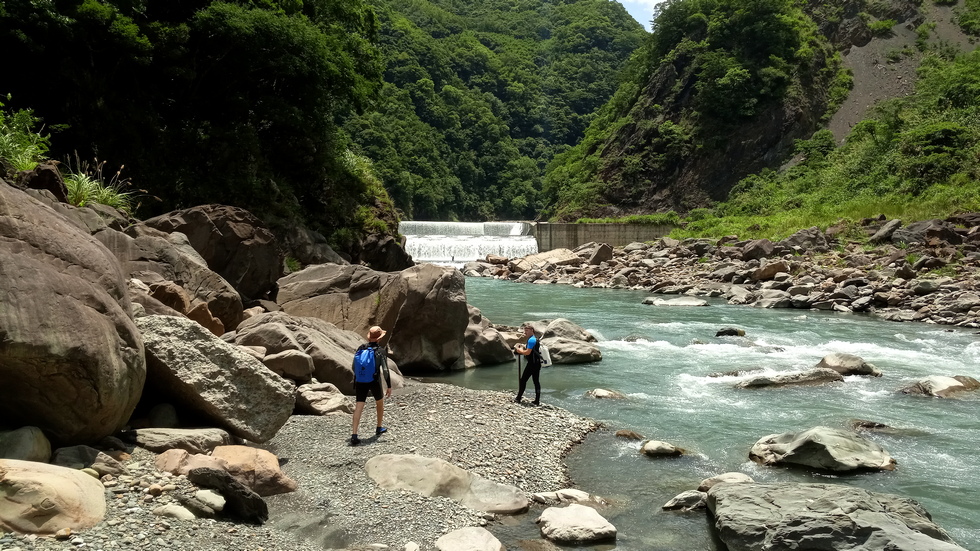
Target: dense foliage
[(918, 157), (204, 101), (21, 143), (480, 94), (709, 68)]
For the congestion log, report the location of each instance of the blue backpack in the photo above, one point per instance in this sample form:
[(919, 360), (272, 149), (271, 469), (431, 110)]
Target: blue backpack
[(365, 364)]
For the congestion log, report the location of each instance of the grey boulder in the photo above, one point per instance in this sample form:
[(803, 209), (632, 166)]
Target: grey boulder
[(824, 517), (435, 477), (822, 448), (194, 369)]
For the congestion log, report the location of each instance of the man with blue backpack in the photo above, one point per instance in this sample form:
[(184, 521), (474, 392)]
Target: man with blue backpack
[(369, 362)]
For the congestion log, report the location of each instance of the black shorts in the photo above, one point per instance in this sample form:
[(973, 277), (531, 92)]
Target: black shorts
[(361, 391)]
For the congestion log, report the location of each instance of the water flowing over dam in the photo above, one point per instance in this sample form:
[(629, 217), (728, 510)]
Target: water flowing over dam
[(455, 243)]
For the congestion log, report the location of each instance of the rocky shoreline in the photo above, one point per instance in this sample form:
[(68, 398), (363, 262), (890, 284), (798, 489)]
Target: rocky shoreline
[(926, 271), (336, 505)]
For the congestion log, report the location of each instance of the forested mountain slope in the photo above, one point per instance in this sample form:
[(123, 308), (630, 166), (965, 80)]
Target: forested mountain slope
[(480, 94), (722, 90)]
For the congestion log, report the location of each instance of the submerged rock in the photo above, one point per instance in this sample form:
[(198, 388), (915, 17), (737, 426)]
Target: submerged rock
[(815, 376)]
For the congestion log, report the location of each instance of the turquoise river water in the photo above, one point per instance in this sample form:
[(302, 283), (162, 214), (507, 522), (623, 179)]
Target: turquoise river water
[(661, 358)]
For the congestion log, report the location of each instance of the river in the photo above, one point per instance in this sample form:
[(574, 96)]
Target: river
[(661, 358)]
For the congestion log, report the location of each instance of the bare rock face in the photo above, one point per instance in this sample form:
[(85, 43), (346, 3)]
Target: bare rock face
[(37, 498), (71, 358), (233, 242), (423, 308), (46, 176), (435, 477), (196, 370), (749, 517), (823, 448), (384, 253), (155, 257), (330, 348)]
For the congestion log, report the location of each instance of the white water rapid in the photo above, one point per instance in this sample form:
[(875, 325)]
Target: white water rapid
[(455, 243)]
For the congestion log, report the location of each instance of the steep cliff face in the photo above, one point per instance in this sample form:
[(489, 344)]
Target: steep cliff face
[(678, 147)]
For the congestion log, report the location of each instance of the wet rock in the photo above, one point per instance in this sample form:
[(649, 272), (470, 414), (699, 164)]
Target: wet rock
[(848, 364), (822, 448), (816, 376), (656, 448), (575, 524), (748, 516), (941, 386), (687, 501)]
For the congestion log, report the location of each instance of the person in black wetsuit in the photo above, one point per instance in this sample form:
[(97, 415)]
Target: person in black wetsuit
[(531, 351), (374, 387)]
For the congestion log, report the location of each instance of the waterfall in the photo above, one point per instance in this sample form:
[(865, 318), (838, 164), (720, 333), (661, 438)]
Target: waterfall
[(455, 243)]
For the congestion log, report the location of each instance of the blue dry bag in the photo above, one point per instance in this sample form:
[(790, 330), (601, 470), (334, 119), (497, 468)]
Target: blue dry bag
[(364, 365)]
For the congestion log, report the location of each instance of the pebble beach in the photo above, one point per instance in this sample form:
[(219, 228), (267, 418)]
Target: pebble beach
[(337, 506)]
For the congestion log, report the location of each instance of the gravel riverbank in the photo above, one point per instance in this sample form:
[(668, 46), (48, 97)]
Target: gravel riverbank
[(337, 506)]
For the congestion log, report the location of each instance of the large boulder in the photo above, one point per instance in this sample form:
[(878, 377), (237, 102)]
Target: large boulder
[(384, 253), (567, 351), (305, 245), (155, 257), (555, 257), (561, 327), (430, 476), (757, 249), (37, 498), (829, 517), (810, 239), (925, 231), (233, 242), (423, 308), (71, 358), (330, 348), (26, 444), (190, 367), (484, 345), (822, 448)]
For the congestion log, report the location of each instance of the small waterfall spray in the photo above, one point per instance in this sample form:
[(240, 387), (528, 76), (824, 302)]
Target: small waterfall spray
[(455, 243)]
